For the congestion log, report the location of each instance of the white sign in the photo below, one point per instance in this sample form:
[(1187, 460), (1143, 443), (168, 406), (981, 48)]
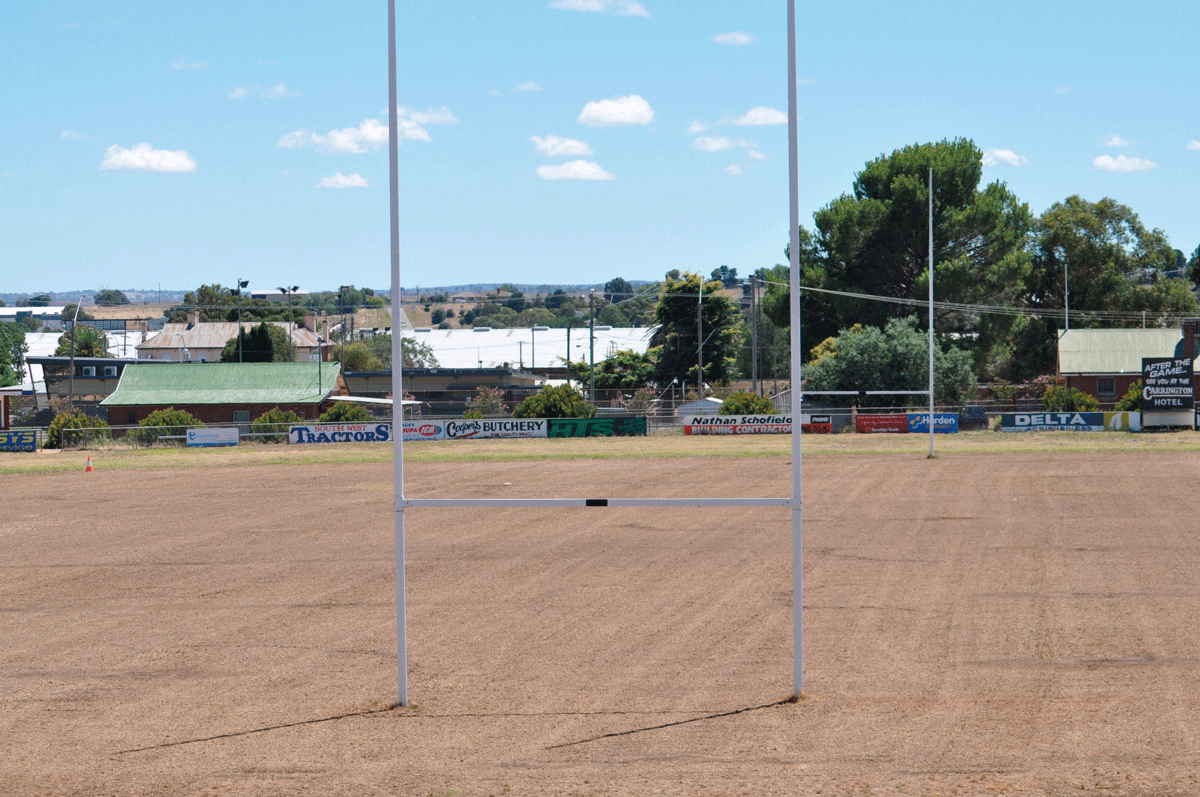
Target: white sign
[(737, 424), (495, 427), (424, 430), (341, 433), (212, 436)]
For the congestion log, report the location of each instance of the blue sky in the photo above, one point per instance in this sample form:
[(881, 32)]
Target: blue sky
[(570, 141)]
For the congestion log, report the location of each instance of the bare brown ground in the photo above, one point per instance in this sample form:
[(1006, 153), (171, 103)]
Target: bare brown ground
[(976, 624)]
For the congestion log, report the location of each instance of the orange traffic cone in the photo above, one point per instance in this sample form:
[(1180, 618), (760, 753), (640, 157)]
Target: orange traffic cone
[(88, 469)]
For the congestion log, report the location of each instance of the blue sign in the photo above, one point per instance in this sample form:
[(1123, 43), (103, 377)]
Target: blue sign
[(1052, 421), (25, 440), (943, 422)]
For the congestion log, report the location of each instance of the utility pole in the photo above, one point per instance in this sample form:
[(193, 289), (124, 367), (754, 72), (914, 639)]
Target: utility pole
[(754, 333), (700, 341), (71, 381), (241, 283), (592, 344)]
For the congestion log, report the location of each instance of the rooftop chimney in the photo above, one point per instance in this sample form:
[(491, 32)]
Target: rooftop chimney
[(193, 318)]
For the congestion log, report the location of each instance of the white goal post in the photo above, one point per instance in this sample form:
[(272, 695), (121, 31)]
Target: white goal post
[(402, 502)]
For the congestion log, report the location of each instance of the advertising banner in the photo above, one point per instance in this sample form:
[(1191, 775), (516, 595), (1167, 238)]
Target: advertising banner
[(596, 427), (737, 424), (424, 430), (1167, 384), (472, 429), (24, 440), (1123, 421), (208, 436), (341, 433), (816, 424), (943, 422), (894, 423), (1052, 421)]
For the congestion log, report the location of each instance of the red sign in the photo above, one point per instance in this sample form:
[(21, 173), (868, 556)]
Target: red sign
[(894, 422)]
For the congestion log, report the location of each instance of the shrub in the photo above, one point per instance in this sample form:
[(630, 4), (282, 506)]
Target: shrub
[(269, 425), (1069, 399), (563, 401), (162, 423), (487, 402), (346, 412), (96, 429), (1132, 400), (746, 402)]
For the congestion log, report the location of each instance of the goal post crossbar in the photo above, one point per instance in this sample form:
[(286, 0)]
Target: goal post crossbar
[(503, 503)]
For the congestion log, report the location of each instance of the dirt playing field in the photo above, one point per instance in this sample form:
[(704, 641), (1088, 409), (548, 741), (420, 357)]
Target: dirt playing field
[(1020, 623)]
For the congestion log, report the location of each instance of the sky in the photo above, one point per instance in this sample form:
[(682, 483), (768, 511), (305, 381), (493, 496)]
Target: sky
[(147, 144)]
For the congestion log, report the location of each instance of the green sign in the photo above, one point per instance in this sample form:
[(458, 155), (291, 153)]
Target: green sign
[(596, 427)]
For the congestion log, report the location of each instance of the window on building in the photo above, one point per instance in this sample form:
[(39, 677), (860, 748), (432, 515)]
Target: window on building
[(1106, 386), (241, 416)]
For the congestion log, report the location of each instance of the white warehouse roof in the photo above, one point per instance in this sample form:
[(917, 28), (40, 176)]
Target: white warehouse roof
[(540, 347)]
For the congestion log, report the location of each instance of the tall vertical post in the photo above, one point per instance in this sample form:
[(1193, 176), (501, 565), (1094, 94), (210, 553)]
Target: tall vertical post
[(931, 312), (794, 285), (754, 334), (592, 345), (700, 342), (397, 370)]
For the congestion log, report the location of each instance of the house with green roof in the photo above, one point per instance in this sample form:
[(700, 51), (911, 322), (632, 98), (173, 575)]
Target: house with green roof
[(224, 393), (1106, 362)]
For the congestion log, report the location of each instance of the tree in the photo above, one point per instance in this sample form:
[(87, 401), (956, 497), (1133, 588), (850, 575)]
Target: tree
[(68, 314), (617, 289), (266, 427), (562, 401), (1096, 247), (414, 353), (357, 358), (876, 241), (612, 316), (624, 370), (488, 402), (346, 412), (1193, 267), (678, 334), (894, 358), (727, 276), (89, 342), (264, 343), (1069, 399), (107, 297), (41, 300), (745, 402), (12, 354), (1132, 400), (94, 429)]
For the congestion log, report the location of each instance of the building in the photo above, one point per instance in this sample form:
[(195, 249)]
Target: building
[(223, 393), (202, 341), (1105, 362), (446, 391)]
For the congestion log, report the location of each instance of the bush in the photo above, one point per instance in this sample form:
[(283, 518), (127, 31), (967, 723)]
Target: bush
[(1069, 399), (488, 402), (346, 412), (1132, 400), (268, 425), (563, 401), (96, 429), (746, 402), (162, 423)]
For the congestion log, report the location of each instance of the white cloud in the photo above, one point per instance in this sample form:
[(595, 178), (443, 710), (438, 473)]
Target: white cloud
[(555, 146), (721, 143), (1193, 145), (73, 134), (340, 180), (995, 157), (762, 116), (736, 38), (238, 93), (1122, 164), (631, 110), (733, 169), (371, 133), (183, 63), (143, 158), (756, 155), (1116, 141), (278, 90), (1061, 90), (698, 127), (622, 8), (529, 85), (574, 170)]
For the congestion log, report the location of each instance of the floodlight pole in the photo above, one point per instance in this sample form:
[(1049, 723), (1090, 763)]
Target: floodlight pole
[(700, 341), (794, 285), (397, 361), (931, 454)]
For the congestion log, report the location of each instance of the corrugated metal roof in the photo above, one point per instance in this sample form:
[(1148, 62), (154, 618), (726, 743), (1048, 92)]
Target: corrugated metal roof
[(1114, 351), (224, 383), (215, 334), (522, 346)]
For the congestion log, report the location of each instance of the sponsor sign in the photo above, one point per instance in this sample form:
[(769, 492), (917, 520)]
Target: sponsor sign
[(209, 436), (1052, 421), (1123, 421), (893, 422), (341, 433), (596, 427), (424, 430), (943, 422), (1167, 384), (495, 427), (816, 424), (24, 440), (737, 424)]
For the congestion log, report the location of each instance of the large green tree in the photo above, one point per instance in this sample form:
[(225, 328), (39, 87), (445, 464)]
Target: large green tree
[(1102, 258), (624, 370), (12, 354), (89, 342), (678, 333), (264, 343), (107, 297)]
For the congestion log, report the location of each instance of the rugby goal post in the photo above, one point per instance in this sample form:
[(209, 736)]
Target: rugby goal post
[(402, 502)]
